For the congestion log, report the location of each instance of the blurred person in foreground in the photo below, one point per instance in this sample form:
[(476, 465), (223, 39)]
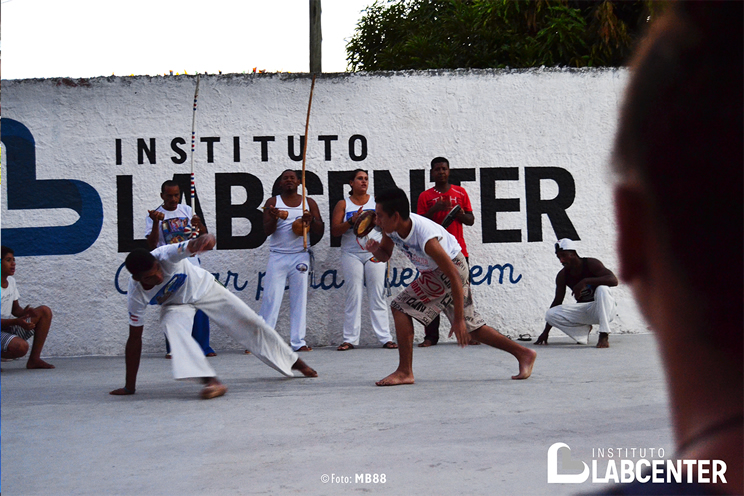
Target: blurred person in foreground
[(678, 151)]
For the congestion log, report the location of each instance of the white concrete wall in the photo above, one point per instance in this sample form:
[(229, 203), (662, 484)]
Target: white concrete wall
[(516, 124)]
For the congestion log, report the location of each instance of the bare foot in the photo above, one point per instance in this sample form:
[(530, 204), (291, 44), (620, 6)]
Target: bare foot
[(604, 340), (213, 389), (304, 368), (247, 352), (38, 364), (397, 378), (526, 362), (121, 392), (425, 344)]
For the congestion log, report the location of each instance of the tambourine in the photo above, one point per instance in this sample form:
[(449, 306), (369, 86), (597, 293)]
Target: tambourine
[(364, 224), (451, 216)]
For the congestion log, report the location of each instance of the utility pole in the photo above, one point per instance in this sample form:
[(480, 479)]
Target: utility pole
[(316, 38)]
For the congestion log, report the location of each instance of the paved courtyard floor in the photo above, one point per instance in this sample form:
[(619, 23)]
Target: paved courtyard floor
[(464, 428)]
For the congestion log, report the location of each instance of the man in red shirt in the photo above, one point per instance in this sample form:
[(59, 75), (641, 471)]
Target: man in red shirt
[(435, 203)]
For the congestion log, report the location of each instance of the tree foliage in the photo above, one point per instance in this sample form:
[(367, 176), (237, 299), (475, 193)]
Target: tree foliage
[(450, 34)]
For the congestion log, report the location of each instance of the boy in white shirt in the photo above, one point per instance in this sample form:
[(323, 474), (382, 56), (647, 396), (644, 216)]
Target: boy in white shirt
[(436, 254), (21, 324)]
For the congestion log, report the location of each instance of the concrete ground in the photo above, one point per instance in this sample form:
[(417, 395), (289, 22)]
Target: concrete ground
[(464, 428)]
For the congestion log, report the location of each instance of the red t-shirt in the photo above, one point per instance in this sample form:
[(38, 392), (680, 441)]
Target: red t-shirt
[(457, 195)]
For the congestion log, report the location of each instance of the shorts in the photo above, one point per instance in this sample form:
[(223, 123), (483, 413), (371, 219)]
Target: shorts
[(431, 294), (9, 333)]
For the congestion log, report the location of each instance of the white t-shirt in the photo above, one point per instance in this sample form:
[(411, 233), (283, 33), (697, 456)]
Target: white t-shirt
[(9, 295), (182, 283), (423, 230), (173, 227)]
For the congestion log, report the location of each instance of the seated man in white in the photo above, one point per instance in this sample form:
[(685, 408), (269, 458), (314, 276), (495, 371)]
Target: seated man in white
[(590, 282)]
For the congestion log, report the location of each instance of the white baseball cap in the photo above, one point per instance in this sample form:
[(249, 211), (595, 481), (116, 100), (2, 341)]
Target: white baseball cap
[(565, 244)]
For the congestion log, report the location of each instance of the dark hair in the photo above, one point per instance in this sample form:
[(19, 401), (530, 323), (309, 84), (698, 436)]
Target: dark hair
[(275, 188), (139, 261), (394, 200), (439, 160), (681, 133), (169, 184), (353, 175), (5, 250)]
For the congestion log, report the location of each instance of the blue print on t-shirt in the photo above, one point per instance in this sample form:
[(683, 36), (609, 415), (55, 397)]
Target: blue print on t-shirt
[(169, 289)]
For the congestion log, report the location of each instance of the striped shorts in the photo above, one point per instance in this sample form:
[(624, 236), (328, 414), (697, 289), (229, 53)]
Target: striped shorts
[(9, 333)]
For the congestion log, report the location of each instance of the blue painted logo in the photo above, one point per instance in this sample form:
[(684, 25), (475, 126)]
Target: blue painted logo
[(25, 192)]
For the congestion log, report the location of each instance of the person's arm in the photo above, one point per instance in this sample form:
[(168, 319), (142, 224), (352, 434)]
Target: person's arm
[(382, 250), (601, 276), (21, 315), (313, 218), (466, 218), (338, 224), (203, 243), (560, 295), (442, 203), (133, 352), (154, 235), (434, 249), (270, 216), (197, 223)]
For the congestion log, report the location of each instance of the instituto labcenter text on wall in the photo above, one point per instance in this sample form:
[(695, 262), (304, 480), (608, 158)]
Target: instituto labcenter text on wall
[(83, 161)]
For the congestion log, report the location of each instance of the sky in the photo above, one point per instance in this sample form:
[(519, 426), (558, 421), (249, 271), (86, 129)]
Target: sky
[(89, 38)]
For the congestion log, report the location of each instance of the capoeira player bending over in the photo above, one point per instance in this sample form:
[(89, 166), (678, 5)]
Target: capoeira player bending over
[(163, 277), (443, 285)]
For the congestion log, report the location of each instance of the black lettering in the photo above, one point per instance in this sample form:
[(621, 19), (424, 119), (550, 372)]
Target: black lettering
[(143, 149), (210, 141), (457, 176), (125, 217), (417, 181), (264, 140), (352, 148), (327, 139), (314, 187), (297, 157), (226, 211), (181, 153), (236, 148), (554, 208), (118, 151), (491, 206), (337, 181)]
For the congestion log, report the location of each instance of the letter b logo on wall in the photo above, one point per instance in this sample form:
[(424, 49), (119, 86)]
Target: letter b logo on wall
[(25, 192)]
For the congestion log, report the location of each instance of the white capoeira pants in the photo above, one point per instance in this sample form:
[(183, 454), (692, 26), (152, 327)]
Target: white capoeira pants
[(236, 319), (283, 266), (576, 319), (358, 269)]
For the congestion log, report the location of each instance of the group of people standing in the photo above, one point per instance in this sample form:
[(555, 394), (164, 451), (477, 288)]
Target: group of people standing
[(432, 239)]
